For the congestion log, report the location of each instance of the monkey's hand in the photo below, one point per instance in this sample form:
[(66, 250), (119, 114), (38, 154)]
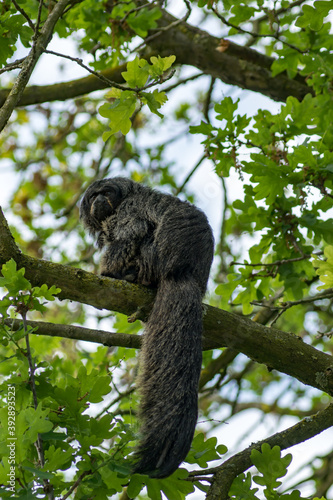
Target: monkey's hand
[(119, 261)]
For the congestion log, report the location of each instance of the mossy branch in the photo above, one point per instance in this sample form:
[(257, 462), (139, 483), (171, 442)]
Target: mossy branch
[(276, 349)]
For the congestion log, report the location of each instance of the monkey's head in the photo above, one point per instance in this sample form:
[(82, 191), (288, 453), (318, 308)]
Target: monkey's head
[(101, 200)]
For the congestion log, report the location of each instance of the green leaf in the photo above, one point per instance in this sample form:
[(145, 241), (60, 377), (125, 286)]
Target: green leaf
[(37, 421), (144, 20), (204, 450), (111, 478), (204, 128), (38, 473), (288, 61), (241, 13), (225, 109), (172, 487), (57, 458), (154, 100), (313, 17), (294, 495), (119, 113), (241, 488), (13, 279), (324, 269), (114, 93), (46, 292), (137, 73), (136, 484), (271, 465), (160, 65)]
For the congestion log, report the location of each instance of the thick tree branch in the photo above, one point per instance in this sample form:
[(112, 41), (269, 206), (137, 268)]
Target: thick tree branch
[(37, 94), (231, 63), (110, 339), (302, 431), (276, 349)]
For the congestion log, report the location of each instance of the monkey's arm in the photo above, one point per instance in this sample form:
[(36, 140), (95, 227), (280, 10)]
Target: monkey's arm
[(122, 243)]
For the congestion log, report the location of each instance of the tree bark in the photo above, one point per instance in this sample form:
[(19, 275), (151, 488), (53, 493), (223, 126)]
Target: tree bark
[(231, 63)]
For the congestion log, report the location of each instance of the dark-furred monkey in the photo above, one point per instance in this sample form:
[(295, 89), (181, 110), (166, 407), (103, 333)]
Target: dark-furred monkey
[(158, 240)]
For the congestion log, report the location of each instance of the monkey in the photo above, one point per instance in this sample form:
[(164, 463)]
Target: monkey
[(157, 240)]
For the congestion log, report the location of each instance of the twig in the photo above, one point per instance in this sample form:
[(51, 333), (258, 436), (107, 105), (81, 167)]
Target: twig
[(14, 65), (188, 177), (257, 35), (79, 61), (39, 15), (80, 333), (24, 14), (222, 246), (108, 82), (136, 9), (76, 484), (183, 81), (163, 29), (287, 305), (276, 262), (116, 400), (208, 99), (281, 10)]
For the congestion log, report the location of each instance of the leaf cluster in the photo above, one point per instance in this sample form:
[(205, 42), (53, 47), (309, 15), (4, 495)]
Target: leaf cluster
[(140, 75)]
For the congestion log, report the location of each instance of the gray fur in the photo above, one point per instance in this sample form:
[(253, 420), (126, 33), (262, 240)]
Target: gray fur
[(157, 240)]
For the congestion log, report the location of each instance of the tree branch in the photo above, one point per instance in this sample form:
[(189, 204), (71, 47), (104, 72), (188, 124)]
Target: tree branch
[(231, 63), (302, 431), (37, 94), (30, 62), (110, 339), (282, 351)]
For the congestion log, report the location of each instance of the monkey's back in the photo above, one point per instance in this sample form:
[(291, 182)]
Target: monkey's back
[(181, 241)]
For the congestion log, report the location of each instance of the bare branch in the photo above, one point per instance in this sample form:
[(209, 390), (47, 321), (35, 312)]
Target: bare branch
[(109, 339), (14, 65), (276, 262), (24, 14), (188, 177)]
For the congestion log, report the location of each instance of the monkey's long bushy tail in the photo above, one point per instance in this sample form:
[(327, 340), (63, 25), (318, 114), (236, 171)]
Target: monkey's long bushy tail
[(170, 364)]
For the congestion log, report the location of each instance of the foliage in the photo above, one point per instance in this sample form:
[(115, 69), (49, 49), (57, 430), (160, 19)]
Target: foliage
[(271, 466), (124, 105), (168, 118), (74, 440), (325, 268)]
